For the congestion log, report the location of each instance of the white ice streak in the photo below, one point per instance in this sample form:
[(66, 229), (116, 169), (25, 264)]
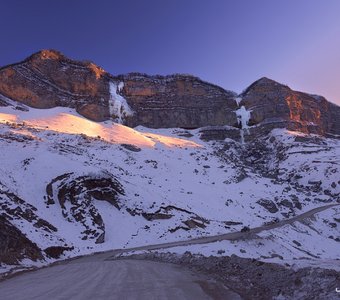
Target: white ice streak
[(243, 116), (120, 86), (118, 105)]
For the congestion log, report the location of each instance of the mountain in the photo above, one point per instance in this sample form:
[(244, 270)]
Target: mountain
[(48, 79), (92, 162)]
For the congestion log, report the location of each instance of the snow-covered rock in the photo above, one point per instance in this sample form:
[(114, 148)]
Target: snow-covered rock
[(85, 187)]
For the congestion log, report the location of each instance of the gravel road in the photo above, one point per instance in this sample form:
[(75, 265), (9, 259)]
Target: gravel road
[(121, 279), (99, 276)]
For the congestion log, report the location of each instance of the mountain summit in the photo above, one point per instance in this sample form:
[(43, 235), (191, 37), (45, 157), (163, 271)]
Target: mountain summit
[(236, 178), (48, 79)]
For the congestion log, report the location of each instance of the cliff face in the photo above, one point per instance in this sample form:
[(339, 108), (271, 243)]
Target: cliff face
[(273, 105), (177, 101), (48, 79)]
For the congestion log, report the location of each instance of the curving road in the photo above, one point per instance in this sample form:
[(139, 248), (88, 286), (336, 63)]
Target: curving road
[(99, 276), (227, 236)]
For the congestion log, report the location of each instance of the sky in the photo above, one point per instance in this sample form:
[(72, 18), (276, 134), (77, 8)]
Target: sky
[(227, 42)]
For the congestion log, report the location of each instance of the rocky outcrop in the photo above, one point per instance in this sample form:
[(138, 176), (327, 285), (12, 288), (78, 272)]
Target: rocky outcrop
[(15, 246), (15, 208), (16, 217), (211, 133), (48, 79), (274, 105), (57, 251), (177, 101), (75, 196)]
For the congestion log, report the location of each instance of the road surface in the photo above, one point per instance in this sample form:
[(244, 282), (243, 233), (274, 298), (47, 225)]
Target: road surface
[(227, 236), (99, 276), (119, 280)]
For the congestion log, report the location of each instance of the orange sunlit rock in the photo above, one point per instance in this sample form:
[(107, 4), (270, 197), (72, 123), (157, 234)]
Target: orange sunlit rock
[(295, 107), (96, 70)]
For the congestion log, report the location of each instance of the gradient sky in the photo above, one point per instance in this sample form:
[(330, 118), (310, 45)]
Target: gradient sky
[(228, 42)]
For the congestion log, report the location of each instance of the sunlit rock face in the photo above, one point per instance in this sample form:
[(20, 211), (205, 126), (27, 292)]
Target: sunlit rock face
[(274, 105), (48, 79)]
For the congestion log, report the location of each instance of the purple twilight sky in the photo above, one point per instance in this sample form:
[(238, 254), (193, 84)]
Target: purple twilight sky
[(230, 43)]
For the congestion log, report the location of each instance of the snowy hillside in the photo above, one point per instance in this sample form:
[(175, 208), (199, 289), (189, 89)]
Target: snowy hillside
[(86, 186)]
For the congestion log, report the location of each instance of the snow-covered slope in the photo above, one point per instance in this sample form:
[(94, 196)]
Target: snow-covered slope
[(100, 186)]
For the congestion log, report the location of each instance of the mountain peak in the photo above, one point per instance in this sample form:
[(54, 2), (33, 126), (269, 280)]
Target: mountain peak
[(263, 82), (48, 54), (49, 79)]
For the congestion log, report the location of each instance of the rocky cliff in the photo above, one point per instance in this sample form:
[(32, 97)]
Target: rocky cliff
[(177, 101), (273, 105), (48, 79)]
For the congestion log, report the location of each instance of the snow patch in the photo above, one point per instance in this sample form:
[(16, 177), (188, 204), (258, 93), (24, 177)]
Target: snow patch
[(170, 171), (238, 100), (117, 104), (120, 86)]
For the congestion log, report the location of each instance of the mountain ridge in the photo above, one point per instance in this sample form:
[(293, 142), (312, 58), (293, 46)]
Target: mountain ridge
[(95, 162), (48, 78)]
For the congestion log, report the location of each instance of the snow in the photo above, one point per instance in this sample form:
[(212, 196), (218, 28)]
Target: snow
[(120, 87), (186, 173), (277, 245), (243, 116), (238, 100), (64, 120), (117, 104)]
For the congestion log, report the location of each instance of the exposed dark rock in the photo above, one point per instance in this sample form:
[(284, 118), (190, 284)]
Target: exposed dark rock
[(49, 79), (219, 133), (231, 223), (101, 238), (286, 203), (44, 224), (57, 251), (177, 101), (191, 223), (80, 192), (13, 207), (274, 105), (15, 246), (156, 216), (132, 148), (268, 205)]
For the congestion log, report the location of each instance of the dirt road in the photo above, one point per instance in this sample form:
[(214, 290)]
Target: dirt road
[(122, 279), (99, 276)]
